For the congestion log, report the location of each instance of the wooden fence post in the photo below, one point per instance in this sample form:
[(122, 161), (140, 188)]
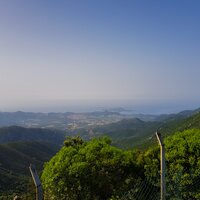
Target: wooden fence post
[(36, 180)]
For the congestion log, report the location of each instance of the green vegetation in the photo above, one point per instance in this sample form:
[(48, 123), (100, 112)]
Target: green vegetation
[(89, 170), (135, 133), (16, 133), (125, 134), (96, 170), (182, 164), (83, 168), (18, 148), (15, 159), (176, 124)]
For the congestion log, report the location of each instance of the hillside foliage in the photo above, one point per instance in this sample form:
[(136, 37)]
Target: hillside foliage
[(19, 134), (92, 170), (21, 146), (182, 164), (96, 170)]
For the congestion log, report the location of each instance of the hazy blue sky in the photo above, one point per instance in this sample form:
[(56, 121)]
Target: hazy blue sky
[(143, 51)]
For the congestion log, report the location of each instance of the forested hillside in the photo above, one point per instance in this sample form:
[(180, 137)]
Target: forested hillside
[(16, 133), (21, 146), (18, 148), (134, 133), (15, 159), (128, 133), (177, 124)]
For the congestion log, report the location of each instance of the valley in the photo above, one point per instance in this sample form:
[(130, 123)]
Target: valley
[(21, 146)]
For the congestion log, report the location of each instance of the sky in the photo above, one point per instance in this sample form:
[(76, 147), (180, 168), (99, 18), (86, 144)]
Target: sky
[(132, 51)]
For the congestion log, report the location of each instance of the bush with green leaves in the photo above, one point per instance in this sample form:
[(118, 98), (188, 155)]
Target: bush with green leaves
[(182, 164), (95, 170), (92, 170)]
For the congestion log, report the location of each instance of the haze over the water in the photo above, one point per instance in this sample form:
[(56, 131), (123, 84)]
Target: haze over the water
[(58, 55)]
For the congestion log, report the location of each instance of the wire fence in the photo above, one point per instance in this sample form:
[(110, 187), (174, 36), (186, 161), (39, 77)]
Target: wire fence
[(174, 191), (143, 191), (182, 184)]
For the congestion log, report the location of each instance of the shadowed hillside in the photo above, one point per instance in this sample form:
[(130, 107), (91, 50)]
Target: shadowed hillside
[(18, 148), (16, 133)]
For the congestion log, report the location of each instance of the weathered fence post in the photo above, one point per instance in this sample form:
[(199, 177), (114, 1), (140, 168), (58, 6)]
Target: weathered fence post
[(36, 180), (162, 165)]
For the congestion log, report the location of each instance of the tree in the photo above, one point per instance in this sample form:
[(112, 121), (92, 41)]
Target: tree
[(92, 170), (182, 164), (183, 154)]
